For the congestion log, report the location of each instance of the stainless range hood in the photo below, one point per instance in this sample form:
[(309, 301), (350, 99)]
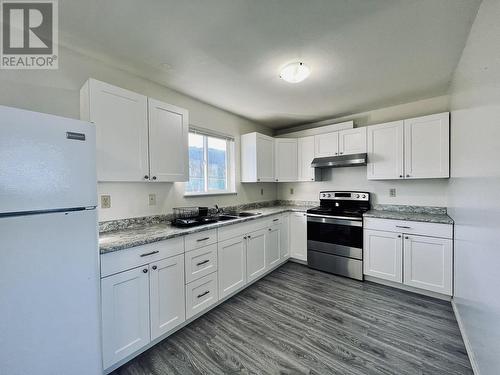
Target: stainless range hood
[(353, 160)]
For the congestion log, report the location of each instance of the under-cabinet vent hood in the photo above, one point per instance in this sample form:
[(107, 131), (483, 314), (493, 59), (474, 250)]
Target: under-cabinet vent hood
[(353, 160)]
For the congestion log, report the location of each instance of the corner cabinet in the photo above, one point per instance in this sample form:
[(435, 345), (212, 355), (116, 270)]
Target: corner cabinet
[(138, 138), (410, 149), (257, 158)]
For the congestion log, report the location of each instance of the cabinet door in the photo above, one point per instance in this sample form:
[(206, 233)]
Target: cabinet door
[(428, 263), (121, 120), (265, 158), (168, 142), (125, 314), (298, 236), (167, 295), (232, 259), (256, 254), (285, 159), (326, 144), (285, 236), (273, 241), (385, 151), (352, 141), (305, 157), (427, 146), (383, 255)]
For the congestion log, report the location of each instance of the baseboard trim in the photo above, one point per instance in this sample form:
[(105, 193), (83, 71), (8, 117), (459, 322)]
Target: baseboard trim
[(465, 338)]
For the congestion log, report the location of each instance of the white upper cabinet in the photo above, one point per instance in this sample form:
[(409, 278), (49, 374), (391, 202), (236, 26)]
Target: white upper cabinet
[(168, 142), (305, 148), (326, 144), (427, 146), (285, 154), (121, 119), (136, 141), (410, 149), (352, 141), (385, 151), (257, 158)]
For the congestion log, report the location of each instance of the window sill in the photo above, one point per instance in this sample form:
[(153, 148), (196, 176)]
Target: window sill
[(188, 195)]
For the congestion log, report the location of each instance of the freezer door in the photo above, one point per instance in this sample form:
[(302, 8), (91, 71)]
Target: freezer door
[(46, 162), (49, 294)]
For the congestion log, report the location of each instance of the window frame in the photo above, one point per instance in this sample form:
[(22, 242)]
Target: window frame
[(230, 166)]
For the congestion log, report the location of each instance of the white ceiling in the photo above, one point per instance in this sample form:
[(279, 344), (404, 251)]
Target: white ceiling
[(363, 54)]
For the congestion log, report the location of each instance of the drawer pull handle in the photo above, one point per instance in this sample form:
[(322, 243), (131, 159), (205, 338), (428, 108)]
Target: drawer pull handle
[(203, 294), (275, 219), (201, 263), (148, 254), (202, 239), (403, 226)]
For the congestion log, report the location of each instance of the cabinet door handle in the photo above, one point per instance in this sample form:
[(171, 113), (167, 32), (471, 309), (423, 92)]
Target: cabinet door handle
[(399, 236), (154, 177), (202, 294), (202, 239), (146, 177), (148, 254), (249, 236), (245, 237), (275, 219), (269, 229), (406, 237), (154, 268), (400, 176), (408, 175), (145, 270), (203, 262), (403, 226)]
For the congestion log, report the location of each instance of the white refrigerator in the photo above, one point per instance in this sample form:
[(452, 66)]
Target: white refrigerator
[(49, 262)]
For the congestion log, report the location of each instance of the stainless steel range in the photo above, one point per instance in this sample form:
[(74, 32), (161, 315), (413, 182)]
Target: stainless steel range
[(335, 233)]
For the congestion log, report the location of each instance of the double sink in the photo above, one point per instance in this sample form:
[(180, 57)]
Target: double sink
[(240, 215)]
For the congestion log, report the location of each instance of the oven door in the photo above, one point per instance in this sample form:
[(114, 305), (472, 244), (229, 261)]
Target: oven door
[(336, 236)]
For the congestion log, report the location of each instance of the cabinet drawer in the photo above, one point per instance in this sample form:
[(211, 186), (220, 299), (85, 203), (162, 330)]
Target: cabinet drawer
[(201, 294), (197, 240), (237, 230), (200, 262), (122, 260), (410, 227)]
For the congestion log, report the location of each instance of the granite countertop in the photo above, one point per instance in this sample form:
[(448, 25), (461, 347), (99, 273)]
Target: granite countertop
[(149, 233), (427, 217)]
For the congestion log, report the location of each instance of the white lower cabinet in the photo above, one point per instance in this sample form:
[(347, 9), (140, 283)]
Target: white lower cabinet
[(167, 295), (201, 294), (232, 259), (285, 236), (428, 263), (256, 254), (125, 314), (383, 255), (273, 247), (298, 236), (419, 261)]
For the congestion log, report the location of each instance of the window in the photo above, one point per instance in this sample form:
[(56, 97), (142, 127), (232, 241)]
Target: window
[(210, 165)]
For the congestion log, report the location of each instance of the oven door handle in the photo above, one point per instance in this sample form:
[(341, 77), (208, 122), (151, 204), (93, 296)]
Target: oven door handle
[(340, 220)]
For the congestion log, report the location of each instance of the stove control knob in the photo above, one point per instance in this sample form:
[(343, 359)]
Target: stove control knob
[(357, 195), (364, 196), (329, 195)]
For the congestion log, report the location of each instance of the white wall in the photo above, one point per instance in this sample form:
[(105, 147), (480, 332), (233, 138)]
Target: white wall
[(474, 189), (57, 92), (414, 192)]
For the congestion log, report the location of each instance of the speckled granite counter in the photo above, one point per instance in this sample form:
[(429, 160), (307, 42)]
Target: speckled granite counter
[(411, 213), (149, 233)]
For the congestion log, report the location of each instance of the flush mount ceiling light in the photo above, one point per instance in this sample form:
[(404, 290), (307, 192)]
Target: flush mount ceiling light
[(295, 72)]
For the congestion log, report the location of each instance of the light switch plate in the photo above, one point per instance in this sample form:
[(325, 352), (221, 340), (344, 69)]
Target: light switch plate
[(392, 192), (152, 199), (105, 201)]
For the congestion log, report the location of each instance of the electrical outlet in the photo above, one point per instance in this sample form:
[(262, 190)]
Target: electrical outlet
[(291, 191), (261, 191), (105, 201), (152, 199), (392, 192)]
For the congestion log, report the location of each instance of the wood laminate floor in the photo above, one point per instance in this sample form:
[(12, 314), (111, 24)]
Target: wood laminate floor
[(300, 321)]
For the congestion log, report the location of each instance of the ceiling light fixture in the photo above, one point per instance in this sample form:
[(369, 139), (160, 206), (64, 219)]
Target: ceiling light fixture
[(295, 72)]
